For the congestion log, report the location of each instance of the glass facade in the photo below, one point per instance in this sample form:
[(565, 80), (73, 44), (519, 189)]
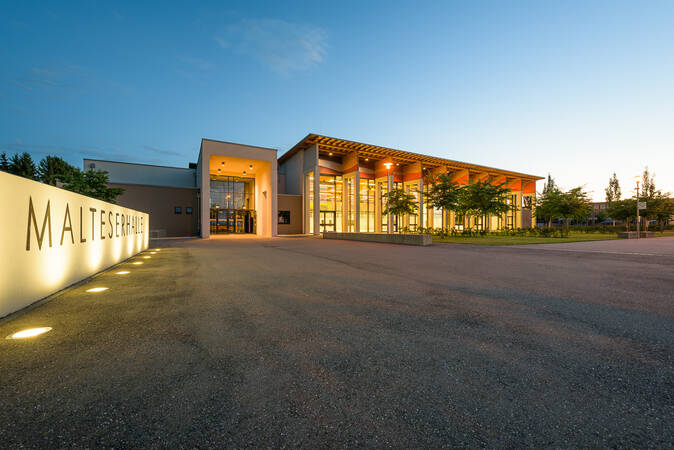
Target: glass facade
[(332, 188), (232, 204), (350, 204), (367, 202), (309, 189), (383, 189)]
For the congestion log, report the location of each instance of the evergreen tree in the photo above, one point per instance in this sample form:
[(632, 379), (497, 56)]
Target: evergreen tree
[(93, 183), (647, 184), (52, 169), (23, 166), (4, 162), (613, 193), (549, 185)]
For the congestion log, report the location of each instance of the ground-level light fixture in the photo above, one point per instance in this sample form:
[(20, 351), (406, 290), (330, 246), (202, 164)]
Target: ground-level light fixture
[(29, 333), (97, 289), (153, 253), (122, 272), (147, 257), (137, 263)]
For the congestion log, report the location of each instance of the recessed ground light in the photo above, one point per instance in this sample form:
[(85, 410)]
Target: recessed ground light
[(153, 253), (31, 332), (97, 289), (158, 249), (122, 272), (137, 263), (147, 257)]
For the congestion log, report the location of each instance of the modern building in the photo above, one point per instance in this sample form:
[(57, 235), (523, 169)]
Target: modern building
[(321, 184)]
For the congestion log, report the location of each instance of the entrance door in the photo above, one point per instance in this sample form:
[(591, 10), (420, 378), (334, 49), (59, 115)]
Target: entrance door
[(225, 221), (327, 221)]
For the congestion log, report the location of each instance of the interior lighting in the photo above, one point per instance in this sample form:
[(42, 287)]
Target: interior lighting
[(388, 165), (137, 263), (397, 164), (330, 154), (31, 332), (97, 289), (367, 159), (122, 272)]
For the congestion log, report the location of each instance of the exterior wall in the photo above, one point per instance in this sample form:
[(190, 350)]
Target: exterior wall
[(159, 203), (293, 169), (293, 204), (52, 238), (129, 173), (266, 182)]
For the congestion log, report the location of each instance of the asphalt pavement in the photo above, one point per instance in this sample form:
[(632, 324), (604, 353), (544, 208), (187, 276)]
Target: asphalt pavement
[(300, 342)]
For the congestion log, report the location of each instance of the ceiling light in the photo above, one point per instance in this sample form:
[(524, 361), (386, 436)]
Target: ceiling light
[(97, 289), (122, 272), (244, 172), (367, 159), (31, 332), (397, 164), (330, 154), (250, 167), (137, 263), (223, 163), (218, 170)]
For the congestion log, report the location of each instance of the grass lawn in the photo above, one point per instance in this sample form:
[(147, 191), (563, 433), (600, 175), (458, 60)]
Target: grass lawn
[(519, 240)]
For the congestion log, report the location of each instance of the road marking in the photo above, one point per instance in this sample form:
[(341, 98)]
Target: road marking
[(594, 251)]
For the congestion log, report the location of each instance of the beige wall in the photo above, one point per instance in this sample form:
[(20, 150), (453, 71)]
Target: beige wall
[(240, 156), (160, 202), (292, 203), (52, 238)]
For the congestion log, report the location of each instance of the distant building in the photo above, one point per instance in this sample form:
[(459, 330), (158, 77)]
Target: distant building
[(596, 207)]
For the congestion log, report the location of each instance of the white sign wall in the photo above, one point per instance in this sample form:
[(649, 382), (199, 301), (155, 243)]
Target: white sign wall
[(51, 238)]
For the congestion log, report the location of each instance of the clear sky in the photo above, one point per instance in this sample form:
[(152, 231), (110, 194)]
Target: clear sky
[(577, 89)]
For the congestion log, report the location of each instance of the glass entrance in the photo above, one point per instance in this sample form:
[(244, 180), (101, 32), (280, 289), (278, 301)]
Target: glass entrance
[(232, 221), (327, 221)]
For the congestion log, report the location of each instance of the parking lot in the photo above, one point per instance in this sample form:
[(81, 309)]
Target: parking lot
[(303, 342)]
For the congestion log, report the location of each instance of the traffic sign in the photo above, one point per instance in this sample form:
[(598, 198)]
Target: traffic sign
[(641, 205)]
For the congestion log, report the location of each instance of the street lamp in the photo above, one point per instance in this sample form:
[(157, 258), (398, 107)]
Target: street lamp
[(388, 182), (638, 179)]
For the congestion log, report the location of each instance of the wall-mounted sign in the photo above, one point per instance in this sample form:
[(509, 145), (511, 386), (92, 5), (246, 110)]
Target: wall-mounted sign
[(52, 238), (641, 205)]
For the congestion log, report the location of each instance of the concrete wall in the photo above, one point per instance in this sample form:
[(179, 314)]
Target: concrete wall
[(292, 168), (293, 204), (52, 238), (159, 203), (129, 173)]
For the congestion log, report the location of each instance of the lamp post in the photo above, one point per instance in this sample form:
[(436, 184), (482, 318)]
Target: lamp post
[(388, 183), (638, 225)]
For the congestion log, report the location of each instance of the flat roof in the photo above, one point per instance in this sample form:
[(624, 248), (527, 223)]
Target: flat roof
[(342, 147), (137, 164)]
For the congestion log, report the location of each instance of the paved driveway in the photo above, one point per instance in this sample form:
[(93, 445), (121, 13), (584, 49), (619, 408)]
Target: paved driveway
[(304, 342)]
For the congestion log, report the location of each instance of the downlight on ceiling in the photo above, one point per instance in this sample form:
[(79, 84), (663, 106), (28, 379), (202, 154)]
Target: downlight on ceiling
[(97, 289), (29, 333)]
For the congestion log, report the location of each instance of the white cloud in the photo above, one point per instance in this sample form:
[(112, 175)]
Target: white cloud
[(283, 47)]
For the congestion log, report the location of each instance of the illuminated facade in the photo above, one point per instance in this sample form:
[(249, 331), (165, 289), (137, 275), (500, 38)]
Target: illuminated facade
[(321, 184)]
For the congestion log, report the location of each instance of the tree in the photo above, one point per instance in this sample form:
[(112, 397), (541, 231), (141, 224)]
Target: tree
[(483, 199), (4, 162), (624, 210), (23, 166), (573, 204), (547, 202), (660, 207), (52, 169), (613, 193), (647, 184), (443, 193), (399, 203), (93, 183)]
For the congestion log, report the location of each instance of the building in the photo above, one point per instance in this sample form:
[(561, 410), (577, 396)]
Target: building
[(321, 184)]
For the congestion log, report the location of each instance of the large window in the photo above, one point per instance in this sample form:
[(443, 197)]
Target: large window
[(437, 218), (331, 202), (350, 204), (383, 189), (367, 194), (510, 216), (459, 222), (309, 190), (413, 190), (232, 192)]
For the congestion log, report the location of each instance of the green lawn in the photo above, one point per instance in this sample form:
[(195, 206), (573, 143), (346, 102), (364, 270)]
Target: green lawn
[(519, 240)]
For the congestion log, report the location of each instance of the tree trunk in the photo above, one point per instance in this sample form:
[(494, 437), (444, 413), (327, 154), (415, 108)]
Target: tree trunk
[(566, 223), (549, 223)]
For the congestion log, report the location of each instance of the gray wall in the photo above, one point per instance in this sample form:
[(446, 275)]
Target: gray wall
[(292, 168), (128, 173)]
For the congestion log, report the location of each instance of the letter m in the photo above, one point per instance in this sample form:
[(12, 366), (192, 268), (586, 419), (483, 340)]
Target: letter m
[(32, 219)]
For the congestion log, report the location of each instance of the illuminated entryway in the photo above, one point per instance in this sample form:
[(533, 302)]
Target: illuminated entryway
[(232, 204)]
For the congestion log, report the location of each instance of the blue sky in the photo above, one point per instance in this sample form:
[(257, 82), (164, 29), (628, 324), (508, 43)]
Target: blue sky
[(577, 89)]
